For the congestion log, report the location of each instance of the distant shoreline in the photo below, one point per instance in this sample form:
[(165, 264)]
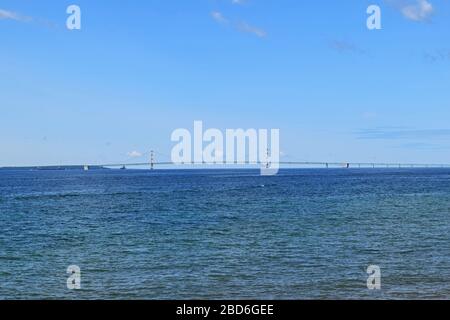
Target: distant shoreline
[(199, 168), (51, 168)]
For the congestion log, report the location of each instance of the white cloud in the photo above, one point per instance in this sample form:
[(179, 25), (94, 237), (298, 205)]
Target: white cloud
[(346, 47), (5, 14), (243, 26), (134, 154), (10, 15), (421, 10), (253, 30), (218, 17), (237, 1)]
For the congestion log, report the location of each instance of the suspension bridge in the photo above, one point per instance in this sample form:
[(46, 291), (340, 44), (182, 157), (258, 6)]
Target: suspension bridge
[(153, 164)]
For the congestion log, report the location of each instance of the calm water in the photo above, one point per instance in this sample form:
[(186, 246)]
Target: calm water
[(225, 234)]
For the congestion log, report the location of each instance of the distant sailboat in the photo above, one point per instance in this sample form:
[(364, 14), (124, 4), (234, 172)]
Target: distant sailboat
[(86, 168), (123, 168)]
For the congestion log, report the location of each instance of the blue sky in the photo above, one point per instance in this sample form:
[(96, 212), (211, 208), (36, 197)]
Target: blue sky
[(138, 70)]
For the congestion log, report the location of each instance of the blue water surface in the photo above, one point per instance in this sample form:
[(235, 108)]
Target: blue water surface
[(225, 234)]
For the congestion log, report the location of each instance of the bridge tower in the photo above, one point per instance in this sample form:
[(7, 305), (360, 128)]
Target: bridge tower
[(152, 160), (267, 159)]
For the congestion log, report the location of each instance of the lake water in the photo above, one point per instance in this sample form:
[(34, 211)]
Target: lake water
[(225, 234)]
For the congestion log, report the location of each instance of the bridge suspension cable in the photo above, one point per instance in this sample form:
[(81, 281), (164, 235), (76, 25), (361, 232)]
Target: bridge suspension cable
[(153, 163)]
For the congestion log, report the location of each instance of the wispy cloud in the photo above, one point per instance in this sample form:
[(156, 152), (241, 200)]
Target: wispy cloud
[(415, 10), (245, 27), (403, 134), (346, 47), (134, 154), (216, 15), (35, 21), (238, 1), (5, 14), (420, 11), (241, 26), (420, 146), (10, 15), (438, 55)]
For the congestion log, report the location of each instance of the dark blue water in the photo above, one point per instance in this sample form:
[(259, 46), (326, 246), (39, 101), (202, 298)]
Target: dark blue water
[(225, 234)]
